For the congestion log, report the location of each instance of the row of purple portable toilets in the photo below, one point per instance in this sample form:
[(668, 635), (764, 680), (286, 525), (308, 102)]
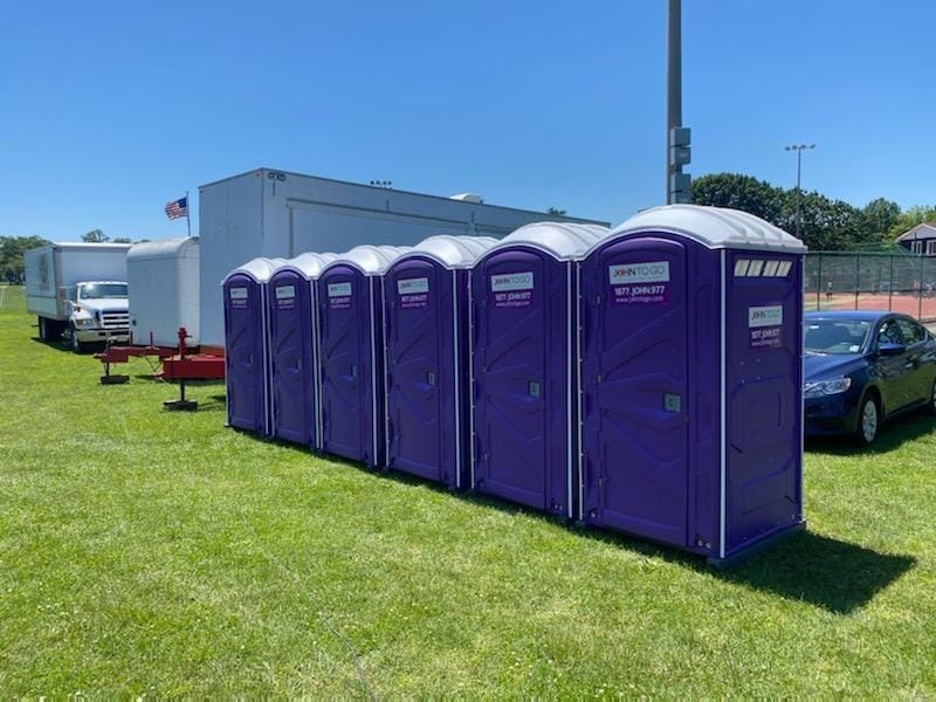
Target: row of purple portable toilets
[(646, 379)]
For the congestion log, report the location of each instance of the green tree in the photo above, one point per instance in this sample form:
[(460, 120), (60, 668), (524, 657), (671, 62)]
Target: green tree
[(824, 224), (555, 212), (880, 217), (95, 236), (740, 192), (121, 240), (828, 225), (12, 249)]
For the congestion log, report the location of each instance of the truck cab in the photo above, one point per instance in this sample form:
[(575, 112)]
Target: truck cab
[(97, 311)]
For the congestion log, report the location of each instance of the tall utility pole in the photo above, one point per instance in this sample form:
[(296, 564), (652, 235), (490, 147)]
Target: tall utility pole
[(798, 148), (678, 151)]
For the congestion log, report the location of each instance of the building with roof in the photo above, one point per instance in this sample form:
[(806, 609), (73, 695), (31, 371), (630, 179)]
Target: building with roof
[(921, 239)]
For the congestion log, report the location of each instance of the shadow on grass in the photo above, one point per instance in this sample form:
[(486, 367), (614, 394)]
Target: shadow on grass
[(211, 403), (894, 434), (60, 345), (837, 576), (834, 575)]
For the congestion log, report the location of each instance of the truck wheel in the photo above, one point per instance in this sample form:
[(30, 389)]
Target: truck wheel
[(49, 329), (76, 345)]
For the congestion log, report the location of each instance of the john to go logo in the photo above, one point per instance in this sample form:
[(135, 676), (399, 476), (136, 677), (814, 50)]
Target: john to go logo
[(644, 272), (512, 281)]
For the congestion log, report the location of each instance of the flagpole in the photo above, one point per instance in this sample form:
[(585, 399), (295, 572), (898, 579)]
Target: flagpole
[(188, 217)]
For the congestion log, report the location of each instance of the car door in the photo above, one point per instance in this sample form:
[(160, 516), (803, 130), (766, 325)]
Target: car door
[(893, 368), (920, 362)]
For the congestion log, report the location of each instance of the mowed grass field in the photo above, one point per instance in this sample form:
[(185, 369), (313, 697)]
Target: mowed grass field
[(148, 553)]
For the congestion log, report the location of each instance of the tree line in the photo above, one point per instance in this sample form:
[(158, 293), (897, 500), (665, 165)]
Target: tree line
[(12, 249), (825, 224)]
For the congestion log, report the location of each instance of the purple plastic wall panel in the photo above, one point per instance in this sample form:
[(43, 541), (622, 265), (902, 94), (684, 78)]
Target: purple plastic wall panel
[(523, 412), (425, 423), (636, 390), (294, 402), (350, 315), (703, 283), (246, 372), (763, 399)]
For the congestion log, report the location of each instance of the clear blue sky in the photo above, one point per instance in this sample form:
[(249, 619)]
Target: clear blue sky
[(110, 109)]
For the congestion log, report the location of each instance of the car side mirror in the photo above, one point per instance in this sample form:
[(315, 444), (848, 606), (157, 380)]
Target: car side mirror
[(888, 348)]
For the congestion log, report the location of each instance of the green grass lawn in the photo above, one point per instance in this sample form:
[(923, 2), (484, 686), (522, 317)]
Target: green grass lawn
[(151, 553)]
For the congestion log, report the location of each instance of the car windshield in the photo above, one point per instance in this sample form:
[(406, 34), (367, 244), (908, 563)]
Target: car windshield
[(96, 291), (836, 335)]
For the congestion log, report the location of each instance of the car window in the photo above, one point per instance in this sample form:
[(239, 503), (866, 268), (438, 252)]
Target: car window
[(913, 333), (838, 336), (889, 333)]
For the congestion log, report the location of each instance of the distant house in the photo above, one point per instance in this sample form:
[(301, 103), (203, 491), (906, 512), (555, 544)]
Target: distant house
[(920, 240)]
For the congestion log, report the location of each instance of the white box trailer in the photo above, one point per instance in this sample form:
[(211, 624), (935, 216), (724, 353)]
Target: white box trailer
[(273, 214), (163, 281), (54, 271)]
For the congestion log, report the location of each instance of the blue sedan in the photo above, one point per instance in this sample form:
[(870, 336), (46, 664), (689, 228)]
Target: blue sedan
[(863, 367)]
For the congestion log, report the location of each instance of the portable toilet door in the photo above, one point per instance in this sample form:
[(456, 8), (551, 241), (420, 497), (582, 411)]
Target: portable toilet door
[(691, 372), (524, 388), (426, 341), (246, 367), (350, 318), (294, 348)]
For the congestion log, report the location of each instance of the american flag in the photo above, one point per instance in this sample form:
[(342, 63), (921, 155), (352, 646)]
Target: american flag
[(177, 208)]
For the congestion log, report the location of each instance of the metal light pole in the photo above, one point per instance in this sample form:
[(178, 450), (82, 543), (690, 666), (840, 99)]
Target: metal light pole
[(678, 150), (798, 148)]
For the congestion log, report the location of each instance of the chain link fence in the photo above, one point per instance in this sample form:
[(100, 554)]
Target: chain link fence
[(900, 282)]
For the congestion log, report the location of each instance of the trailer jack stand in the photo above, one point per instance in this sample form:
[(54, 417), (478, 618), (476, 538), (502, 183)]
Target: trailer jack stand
[(108, 379), (181, 405)]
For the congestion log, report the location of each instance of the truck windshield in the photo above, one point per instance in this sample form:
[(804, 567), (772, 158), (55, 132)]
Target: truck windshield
[(96, 291)]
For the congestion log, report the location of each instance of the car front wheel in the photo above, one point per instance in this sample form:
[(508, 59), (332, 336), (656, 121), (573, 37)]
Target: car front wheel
[(868, 421), (932, 402)]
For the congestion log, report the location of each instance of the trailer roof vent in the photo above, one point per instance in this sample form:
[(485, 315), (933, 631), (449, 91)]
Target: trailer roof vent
[(469, 197)]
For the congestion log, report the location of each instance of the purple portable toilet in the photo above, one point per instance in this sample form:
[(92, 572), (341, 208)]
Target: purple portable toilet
[(691, 372), (524, 321), (293, 343), (350, 305), (246, 364), (426, 340)]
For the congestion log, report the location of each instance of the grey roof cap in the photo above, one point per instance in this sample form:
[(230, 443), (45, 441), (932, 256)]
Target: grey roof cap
[(369, 259), (260, 269), (713, 227), (565, 241), (309, 264), (451, 250)]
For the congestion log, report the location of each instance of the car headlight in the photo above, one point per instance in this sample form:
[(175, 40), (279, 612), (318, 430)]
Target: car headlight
[(822, 388), (84, 321)]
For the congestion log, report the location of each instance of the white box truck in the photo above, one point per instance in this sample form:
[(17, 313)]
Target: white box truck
[(277, 214), (79, 290)]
